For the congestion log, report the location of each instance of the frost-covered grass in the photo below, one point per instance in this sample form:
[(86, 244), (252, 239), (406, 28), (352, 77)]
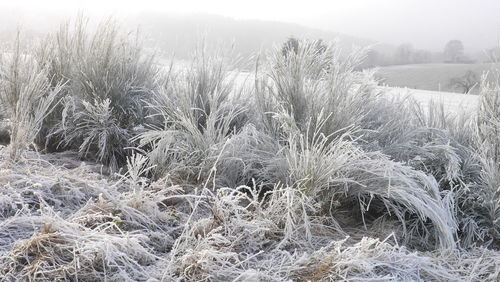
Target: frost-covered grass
[(108, 80), (309, 173), (73, 223), (26, 98)]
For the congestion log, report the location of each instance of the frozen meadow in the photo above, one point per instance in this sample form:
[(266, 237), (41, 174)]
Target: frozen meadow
[(116, 169)]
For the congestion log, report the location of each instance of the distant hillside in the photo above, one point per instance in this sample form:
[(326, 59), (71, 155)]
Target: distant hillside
[(180, 34)]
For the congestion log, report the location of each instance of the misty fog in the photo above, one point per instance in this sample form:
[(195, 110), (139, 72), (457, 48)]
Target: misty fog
[(425, 24)]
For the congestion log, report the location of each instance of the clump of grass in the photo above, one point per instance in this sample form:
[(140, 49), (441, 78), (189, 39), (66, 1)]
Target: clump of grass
[(485, 196), (197, 118), (315, 177), (60, 232), (27, 96), (313, 81), (162, 232), (241, 234), (406, 133), (27, 184), (279, 239), (109, 80), (339, 174), (378, 259), (62, 250), (438, 143), (323, 112)]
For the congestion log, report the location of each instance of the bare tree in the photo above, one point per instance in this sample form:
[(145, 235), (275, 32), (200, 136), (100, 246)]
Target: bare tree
[(421, 57), (466, 82), (404, 53), (454, 51)]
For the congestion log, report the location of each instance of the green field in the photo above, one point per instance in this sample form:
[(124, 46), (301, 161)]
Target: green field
[(435, 77)]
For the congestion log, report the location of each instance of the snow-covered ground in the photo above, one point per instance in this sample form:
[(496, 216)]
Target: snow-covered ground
[(453, 102)]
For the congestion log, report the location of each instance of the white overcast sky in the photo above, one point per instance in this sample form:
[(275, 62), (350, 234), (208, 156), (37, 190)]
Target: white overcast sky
[(424, 23)]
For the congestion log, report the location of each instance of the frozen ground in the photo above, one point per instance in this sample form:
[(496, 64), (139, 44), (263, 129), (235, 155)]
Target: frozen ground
[(433, 77), (452, 102), (61, 220)]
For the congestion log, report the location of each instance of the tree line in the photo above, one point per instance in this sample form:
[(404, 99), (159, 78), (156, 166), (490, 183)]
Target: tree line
[(453, 53)]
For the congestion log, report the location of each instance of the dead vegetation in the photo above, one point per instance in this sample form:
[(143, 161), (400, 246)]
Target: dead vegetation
[(308, 175)]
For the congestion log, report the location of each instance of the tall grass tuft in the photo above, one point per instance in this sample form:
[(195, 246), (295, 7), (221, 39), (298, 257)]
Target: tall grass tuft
[(310, 174), (319, 112), (27, 96), (486, 205), (109, 79), (311, 80), (197, 116)]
